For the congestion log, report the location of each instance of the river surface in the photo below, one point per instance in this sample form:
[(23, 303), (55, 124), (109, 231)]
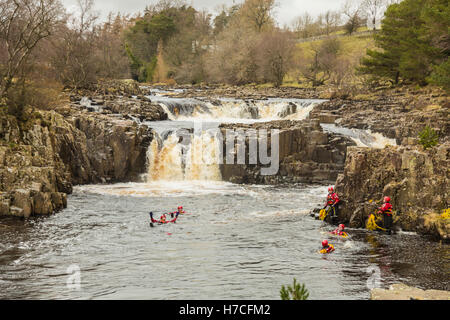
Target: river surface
[(235, 242), (238, 242)]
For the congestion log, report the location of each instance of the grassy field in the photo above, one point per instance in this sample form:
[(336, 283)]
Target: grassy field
[(353, 48)]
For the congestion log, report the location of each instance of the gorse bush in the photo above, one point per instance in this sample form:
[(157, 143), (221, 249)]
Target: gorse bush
[(296, 292), (428, 138)]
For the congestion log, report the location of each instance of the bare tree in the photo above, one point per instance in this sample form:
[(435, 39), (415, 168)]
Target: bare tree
[(331, 20), (259, 12), (73, 57), (375, 11), (23, 24), (354, 12), (303, 26), (275, 54), (319, 67)]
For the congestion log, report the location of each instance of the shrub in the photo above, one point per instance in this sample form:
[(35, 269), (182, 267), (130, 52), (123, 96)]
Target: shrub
[(428, 138), (296, 292)]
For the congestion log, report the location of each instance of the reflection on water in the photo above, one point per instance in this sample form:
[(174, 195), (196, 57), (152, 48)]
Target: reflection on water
[(237, 242)]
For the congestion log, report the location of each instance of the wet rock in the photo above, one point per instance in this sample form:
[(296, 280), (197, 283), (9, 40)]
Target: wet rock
[(42, 204), (416, 181), (306, 154), (22, 199)]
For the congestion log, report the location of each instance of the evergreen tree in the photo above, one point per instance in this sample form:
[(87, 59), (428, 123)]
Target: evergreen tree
[(413, 40)]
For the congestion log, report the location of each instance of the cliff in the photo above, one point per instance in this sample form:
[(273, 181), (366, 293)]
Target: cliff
[(43, 156), (307, 154), (416, 180)]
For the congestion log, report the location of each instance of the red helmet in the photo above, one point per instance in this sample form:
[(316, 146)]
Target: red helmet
[(163, 217), (180, 207), (342, 226), (324, 243), (330, 189), (387, 199)]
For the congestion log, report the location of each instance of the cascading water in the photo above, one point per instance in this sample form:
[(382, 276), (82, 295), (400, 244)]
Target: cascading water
[(362, 138), (198, 161), (197, 156), (235, 110)]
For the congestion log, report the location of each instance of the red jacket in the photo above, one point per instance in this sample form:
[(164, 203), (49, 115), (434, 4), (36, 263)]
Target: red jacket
[(164, 222), (332, 199), (386, 209)]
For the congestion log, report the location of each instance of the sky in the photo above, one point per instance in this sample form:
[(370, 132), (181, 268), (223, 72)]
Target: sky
[(286, 11)]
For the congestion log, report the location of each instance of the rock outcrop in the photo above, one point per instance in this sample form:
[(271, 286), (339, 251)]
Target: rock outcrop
[(306, 154), (403, 292), (397, 115), (43, 157), (416, 181)]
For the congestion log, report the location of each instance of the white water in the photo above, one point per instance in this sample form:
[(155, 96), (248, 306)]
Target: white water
[(226, 110), (200, 162), (362, 138), (199, 158)]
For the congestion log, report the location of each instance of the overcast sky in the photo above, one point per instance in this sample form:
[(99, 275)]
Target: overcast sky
[(285, 12)]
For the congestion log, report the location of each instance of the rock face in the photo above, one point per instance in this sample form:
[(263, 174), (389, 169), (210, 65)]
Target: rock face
[(416, 181), (396, 116), (403, 292), (42, 158), (306, 154)]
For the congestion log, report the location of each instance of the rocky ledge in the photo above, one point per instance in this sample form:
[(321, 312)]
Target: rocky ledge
[(307, 154), (39, 164), (42, 157), (399, 113), (403, 292), (416, 180)]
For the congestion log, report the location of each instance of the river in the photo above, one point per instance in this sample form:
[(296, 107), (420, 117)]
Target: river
[(236, 242)]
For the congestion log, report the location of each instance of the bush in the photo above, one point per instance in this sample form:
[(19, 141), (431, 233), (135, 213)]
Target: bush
[(296, 292), (428, 138)]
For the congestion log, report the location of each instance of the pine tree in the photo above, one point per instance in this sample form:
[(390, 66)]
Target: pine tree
[(414, 39)]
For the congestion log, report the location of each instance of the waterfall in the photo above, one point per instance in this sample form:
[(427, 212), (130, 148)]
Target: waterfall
[(234, 110), (362, 138), (171, 162)]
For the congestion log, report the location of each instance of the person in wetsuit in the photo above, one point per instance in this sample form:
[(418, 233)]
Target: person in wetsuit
[(340, 231), (326, 247), (386, 212), (333, 201), (162, 219)]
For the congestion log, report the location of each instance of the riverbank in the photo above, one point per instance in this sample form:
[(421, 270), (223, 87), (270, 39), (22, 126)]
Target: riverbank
[(403, 292)]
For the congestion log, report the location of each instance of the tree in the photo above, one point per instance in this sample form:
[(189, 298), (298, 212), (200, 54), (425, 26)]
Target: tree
[(74, 55), (375, 11), (23, 24), (296, 292), (259, 13), (354, 13), (412, 42), (319, 67), (303, 26), (143, 40), (331, 20), (275, 56)]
